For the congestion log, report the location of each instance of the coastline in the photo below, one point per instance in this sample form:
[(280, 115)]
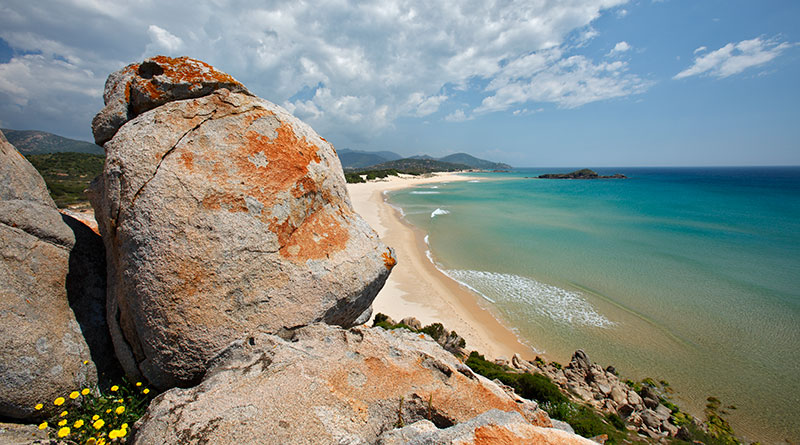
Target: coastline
[(416, 288)]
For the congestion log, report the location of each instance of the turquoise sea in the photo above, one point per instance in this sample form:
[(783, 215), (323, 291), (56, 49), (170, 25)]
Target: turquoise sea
[(690, 275)]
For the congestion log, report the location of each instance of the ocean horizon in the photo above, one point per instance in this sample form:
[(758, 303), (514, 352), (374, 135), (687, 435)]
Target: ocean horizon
[(685, 274)]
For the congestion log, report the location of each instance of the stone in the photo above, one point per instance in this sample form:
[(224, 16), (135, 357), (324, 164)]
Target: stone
[(501, 361), (495, 427), (326, 384), (649, 392), (53, 334), (650, 403), (669, 428), (651, 420), (223, 215), (634, 399), (684, 434), (663, 412), (140, 87), (411, 322), (580, 360), (625, 410), (17, 434), (619, 395), (604, 388), (19, 180), (563, 426)]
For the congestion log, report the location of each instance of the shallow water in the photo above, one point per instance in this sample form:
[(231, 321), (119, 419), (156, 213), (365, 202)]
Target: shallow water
[(686, 275)]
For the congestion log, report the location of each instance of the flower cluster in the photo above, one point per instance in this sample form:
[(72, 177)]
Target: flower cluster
[(92, 417)]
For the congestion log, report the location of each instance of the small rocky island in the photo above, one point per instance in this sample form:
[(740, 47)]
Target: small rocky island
[(581, 174)]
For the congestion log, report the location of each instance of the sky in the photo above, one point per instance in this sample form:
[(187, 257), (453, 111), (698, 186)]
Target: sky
[(532, 83)]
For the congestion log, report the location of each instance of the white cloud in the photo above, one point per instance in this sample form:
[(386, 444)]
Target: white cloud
[(456, 116), (622, 12), (367, 62), (567, 82), (163, 41), (620, 47), (734, 58)]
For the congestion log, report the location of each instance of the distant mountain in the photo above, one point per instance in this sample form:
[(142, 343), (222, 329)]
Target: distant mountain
[(361, 159), (472, 161), (33, 142), (416, 165), (423, 157)]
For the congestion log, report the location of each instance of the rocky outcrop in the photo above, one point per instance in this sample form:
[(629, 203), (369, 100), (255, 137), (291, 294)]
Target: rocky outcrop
[(581, 174), (53, 335), (491, 427), (140, 87), (223, 215), (601, 388), (324, 384)]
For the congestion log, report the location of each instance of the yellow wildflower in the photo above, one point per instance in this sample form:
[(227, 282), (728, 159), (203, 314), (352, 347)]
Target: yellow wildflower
[(101, 441), (43, 425), (38, 406), (62, 422), (98, 424), (86, 362), (146, 390), (59, 401), (78, 423), (74, 395), (63, 413), (124, 426), (63, 432), (95, 417), (120, 410), (91, 441), (112, 434), (138, 383), (108, 410), (122, 432), (114, 388), (84, 391)]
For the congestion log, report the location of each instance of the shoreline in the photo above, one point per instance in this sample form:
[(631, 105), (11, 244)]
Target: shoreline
[(416, 288)]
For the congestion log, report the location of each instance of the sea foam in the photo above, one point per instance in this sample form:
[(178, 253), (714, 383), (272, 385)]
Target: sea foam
[(438, 212), (540, 299)]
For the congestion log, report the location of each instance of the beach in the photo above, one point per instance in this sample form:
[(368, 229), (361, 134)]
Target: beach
[(416, 288)]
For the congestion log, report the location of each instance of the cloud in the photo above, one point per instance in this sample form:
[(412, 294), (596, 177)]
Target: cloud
[(367, 63), (734, 58), (567, 82), (456, 116), (621, 47), (163, 41)]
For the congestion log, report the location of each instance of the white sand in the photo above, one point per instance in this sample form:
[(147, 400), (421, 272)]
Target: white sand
[(415, 287)]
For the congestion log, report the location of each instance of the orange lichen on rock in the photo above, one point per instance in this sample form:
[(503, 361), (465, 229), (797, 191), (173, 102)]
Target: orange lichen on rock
[(319, 235), (185, 69), (388, 260)]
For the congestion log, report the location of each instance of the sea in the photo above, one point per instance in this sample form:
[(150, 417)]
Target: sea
[(686, 275)]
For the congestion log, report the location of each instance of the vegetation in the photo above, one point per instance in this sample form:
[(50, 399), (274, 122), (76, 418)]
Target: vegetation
[(418, 166), (67, 175), (449, 340), (30, 142), (584, 420), (93, 417), (357, 176)]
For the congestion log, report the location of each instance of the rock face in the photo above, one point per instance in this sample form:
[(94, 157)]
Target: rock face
[(325, 384), (223, 215), (52, 296), (140, 87), (492, 427), (602, 389)]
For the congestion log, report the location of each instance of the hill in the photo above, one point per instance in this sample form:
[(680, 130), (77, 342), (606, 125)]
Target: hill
[(34, 142), (472, 161), (67, 175), (414, 165), (361, 159)]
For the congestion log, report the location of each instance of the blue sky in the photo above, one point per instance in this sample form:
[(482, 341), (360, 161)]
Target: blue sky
[(533, 83)]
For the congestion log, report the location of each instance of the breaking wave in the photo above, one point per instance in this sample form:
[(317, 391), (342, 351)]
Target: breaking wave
[(438, 212)]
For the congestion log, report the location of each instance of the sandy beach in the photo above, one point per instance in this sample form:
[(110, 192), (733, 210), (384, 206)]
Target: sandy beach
[(416, 287)]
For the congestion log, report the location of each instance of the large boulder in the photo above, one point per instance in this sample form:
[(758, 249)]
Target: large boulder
[(491, 427), (223, 215), (140, 87), (53, 334), (325, 384)]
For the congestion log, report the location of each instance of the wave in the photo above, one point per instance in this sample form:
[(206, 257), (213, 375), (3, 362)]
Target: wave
[(438, 212), (434, 187), (474, 180), (539, 299), (423, 193), (426, 241)]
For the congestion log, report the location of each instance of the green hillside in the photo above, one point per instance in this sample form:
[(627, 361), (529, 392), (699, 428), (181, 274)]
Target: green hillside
[(411, 165), (67, 175), (472, 161), (33, 142)]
